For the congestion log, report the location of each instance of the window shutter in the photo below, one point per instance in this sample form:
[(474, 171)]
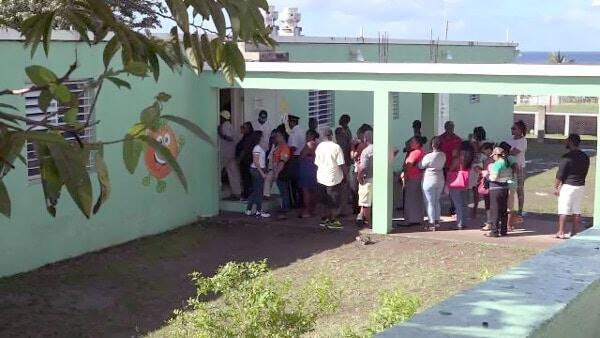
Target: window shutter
[(321, 105)]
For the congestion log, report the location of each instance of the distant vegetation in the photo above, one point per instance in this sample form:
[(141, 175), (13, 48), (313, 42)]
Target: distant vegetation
[(558, 58)]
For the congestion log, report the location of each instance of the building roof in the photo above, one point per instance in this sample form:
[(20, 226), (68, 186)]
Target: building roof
[(506, 69), (363, 40)]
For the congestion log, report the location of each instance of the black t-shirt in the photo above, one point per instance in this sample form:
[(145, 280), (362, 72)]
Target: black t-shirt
[(573, 168)]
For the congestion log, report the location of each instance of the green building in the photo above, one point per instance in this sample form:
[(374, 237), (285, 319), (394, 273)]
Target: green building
[(152, 201)]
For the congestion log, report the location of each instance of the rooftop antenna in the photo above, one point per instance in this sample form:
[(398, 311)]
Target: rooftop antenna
[(447, 26), (508, 35)]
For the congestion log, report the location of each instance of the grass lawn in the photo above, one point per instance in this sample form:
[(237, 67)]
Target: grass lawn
[(583, 108)]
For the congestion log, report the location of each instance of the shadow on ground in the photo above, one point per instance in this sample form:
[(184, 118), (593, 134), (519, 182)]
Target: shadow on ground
[(132, 289)]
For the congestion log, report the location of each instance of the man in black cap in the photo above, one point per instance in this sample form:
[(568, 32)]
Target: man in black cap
[(296, 141), (569, 185)]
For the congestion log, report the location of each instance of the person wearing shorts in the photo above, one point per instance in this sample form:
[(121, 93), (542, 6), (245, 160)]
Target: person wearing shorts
[(365, 178), (331, 166), (569, 185)]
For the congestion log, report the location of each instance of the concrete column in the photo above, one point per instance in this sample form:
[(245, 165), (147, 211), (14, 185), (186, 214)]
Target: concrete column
[(597, 187), (567, 124), (429, 114), (383, 158), (541, 124)]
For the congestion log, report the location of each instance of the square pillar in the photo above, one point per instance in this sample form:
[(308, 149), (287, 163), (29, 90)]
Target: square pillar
[(429, 114), (383, 158), (597, 183)]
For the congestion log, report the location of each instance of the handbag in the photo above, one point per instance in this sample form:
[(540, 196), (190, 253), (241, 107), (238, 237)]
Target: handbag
[(458, 179), (484, 187)]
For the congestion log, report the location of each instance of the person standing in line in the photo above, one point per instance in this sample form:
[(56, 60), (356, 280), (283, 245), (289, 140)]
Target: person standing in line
[(258, 174), (329, 159), (262, 124), (513, 217), (518, 144), (296, 141), (243, 154), (343, 137), (413, 177), (499, 176), (355, 153), (307, 175), (458, 183), (365, 178), (450, 146), (433, 182), (569, 185), (227, 154), (477, 139), (416, 126), (282, 155), (483, 189), (268, 187), (313, 124)]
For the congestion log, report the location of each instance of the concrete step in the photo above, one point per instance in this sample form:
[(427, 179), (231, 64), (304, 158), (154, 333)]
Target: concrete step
[(239, 206)]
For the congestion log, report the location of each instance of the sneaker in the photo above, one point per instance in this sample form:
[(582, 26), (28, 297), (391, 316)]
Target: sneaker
[(324, 222), (248, 213), (263, 214), (335, 224)]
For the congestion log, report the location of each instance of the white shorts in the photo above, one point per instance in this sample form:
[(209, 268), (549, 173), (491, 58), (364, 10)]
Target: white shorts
[(365, 194), (570, 199)]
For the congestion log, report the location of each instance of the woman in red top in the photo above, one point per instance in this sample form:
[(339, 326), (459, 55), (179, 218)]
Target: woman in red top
[(413, 192)]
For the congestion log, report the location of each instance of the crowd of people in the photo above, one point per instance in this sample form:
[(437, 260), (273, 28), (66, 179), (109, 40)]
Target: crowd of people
[(333, 169)]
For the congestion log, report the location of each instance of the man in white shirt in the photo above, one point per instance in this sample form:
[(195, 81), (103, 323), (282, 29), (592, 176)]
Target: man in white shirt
[(227, 142), (329, 159), (518, 145), (263, 125), (296, 141)]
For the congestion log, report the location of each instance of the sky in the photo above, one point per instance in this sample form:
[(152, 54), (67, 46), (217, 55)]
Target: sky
[(567, 25)]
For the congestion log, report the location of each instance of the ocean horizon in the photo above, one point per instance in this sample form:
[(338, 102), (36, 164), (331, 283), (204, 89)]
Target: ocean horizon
[(581, 58)]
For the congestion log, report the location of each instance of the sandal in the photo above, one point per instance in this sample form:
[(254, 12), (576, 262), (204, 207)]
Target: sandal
[(557, 236)]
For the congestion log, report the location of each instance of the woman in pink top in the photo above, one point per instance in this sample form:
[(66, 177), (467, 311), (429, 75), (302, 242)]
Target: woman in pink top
[(413, 192)]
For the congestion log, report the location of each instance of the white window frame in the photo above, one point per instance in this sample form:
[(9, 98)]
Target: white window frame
[(86, 95), (321, 105)]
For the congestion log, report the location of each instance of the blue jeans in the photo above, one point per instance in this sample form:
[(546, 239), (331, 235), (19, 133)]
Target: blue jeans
[(432, 193), (256, 196), (284, 191), (459, 198)]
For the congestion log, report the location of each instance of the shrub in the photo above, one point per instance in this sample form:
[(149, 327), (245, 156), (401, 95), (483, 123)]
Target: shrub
[(394, 308), (252, 303)]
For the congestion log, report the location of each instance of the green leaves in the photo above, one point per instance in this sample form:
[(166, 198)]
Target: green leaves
[(132, 150), (189, 125), (150, 116), (40, 76), (71, 164), (118, 82), (61, 92), (50, 176), (137, 68), (163, 97), (5, 206), (165, 153), (38, 28), (104, 182)]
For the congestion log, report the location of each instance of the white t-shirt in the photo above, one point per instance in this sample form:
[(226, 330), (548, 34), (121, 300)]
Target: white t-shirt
[(266, 129), (258, 150), (297, 139), (328, 159), (520, 144)]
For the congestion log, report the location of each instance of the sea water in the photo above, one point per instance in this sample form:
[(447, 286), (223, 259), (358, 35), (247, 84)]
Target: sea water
[(581, 58)]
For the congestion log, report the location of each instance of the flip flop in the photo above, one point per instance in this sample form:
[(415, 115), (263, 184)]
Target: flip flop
[(559, 237)]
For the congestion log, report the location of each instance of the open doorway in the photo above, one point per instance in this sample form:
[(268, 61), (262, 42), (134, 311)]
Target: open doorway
[(231, 115)]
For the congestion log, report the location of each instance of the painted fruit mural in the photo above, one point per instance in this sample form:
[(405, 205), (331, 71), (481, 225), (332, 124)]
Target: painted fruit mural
[(158, 168)]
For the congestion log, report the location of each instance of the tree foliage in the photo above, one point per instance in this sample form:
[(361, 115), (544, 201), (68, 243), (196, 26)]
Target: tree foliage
[(63, 164), (558, 58), (135, 13)]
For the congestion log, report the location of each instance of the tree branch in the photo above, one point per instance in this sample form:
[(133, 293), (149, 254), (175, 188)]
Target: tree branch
[(23, 91)]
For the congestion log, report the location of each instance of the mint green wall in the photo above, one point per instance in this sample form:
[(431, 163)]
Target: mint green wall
[(494, 113), (341, 52), (32, 238)]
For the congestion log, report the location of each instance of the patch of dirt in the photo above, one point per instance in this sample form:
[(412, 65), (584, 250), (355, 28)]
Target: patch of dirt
[(132, 289)]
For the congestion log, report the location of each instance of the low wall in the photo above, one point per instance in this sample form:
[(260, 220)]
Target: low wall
[(553, 294)]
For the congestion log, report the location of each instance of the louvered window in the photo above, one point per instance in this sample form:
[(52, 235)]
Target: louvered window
[(321, 105), (55, 115), (395, 106)]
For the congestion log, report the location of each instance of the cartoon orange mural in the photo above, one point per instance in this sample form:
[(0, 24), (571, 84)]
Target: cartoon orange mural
[(157, 167)]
